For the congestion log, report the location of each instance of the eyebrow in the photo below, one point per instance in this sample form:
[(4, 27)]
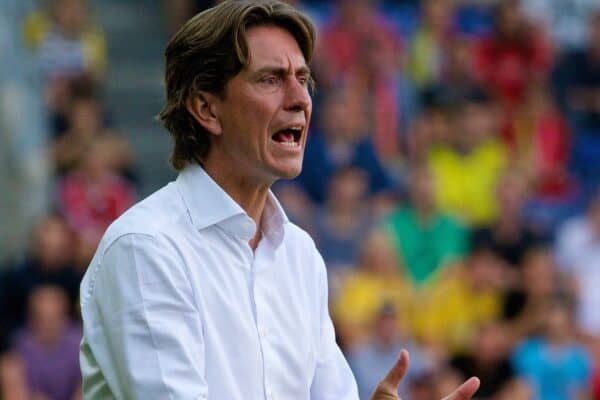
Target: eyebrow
[(303, 70)]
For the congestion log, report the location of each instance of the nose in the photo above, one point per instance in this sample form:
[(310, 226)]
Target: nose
[(297, 96)]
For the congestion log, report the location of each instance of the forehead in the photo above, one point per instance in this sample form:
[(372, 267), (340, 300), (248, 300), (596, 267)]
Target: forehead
[(273, 46)]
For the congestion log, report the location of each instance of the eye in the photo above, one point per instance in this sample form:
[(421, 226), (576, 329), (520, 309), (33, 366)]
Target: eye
[(303, 80), (271, 80)]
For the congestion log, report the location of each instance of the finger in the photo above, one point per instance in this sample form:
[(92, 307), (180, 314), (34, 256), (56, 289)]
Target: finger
[(393, 378), (465, 391)]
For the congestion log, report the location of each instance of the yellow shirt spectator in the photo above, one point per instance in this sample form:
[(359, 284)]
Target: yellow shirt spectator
[(364, 291), (362, 295), (466, 183), (449, 310), (38, 26)]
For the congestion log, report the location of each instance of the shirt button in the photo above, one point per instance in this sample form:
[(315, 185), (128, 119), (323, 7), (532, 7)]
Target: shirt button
[(263, 332)]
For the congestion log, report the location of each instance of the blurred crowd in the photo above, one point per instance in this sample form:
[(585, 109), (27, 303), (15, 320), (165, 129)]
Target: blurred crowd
[(451, 182), (52, 113)]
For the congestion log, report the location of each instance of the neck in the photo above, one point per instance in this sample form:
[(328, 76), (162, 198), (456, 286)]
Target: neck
[(249, 193), (509, 223), (423, 212)]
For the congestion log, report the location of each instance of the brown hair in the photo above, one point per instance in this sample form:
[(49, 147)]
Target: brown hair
[(206, 53)]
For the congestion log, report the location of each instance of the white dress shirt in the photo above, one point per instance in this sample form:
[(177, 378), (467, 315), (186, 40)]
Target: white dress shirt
[(176, 305)]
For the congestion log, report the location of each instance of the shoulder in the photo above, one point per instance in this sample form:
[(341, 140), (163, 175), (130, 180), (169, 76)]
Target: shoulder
[(530, 347), (150, 234), (401, 213), (157, 215), (301, 247), (449, 221), (574, 232), (298, 239)]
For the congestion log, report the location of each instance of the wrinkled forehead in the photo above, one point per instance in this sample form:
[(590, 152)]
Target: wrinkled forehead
[(273, 46)]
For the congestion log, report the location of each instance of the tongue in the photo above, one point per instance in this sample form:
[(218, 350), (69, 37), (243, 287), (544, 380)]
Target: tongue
[(284, 136)]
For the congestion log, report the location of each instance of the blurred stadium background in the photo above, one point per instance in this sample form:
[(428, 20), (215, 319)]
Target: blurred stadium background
[(451, 182)]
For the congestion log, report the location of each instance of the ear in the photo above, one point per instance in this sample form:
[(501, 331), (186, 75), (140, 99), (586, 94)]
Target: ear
[(204, 107)]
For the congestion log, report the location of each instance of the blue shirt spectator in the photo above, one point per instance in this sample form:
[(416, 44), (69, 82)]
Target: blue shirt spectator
[(554, 372), (321, 161)]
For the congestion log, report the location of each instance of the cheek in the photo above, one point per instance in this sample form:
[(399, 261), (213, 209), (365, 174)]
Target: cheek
[(257, 115)]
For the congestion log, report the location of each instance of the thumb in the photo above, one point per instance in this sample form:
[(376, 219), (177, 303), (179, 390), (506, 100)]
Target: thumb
[(395, 375), (464, 391)]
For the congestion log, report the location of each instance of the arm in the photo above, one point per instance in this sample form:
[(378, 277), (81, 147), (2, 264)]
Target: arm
[(333, 379), (13, 383), (142, 328)]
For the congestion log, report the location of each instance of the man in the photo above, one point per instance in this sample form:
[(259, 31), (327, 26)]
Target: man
[(204, 290)]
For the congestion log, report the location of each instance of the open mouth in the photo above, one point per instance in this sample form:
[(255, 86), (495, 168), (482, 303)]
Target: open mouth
[(289, 136)]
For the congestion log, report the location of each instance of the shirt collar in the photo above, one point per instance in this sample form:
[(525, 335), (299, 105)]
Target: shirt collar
[(208, 204)]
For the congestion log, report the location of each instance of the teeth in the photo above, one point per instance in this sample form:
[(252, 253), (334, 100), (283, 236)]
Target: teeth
[(289, 144)]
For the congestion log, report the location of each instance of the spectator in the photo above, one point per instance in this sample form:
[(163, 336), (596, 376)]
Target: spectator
[(49, 347), (364, 291), (24, 178), (468, 168), (577, 81), (345, 219), (356, 26), (462, 75), (425, 239), (577, 78), (85, 124), (422, 387), (578, 257), (554, 364), (508, 236), (593, 345), (360, 48), (453, 306), (342, 141), (489, 360), (562, 20), (430, 128), (512, 56), (92, 196), (369, 359), (457, 80), (68, 44), (530, 294), (13, 385), (542, 141), (59, 97), (49, 262), (427, 46), (298, 205)]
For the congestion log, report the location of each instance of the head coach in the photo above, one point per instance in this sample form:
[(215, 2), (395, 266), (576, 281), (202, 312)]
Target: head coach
[(205, 290)]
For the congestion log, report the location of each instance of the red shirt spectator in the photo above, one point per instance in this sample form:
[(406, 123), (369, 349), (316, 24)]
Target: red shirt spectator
[(354, 34), (93, 196), (512, 56), (506, 67), (360, 48), (596, 384), (543, 139)]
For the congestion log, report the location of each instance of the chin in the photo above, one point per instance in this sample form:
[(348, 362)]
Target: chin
[(288, 173), (289, 169)]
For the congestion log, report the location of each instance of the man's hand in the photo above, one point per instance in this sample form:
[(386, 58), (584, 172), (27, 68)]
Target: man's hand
[(388, 387)]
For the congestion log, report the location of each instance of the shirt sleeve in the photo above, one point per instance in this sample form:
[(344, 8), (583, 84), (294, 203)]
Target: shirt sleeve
[(142, 328), (333, 378)]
